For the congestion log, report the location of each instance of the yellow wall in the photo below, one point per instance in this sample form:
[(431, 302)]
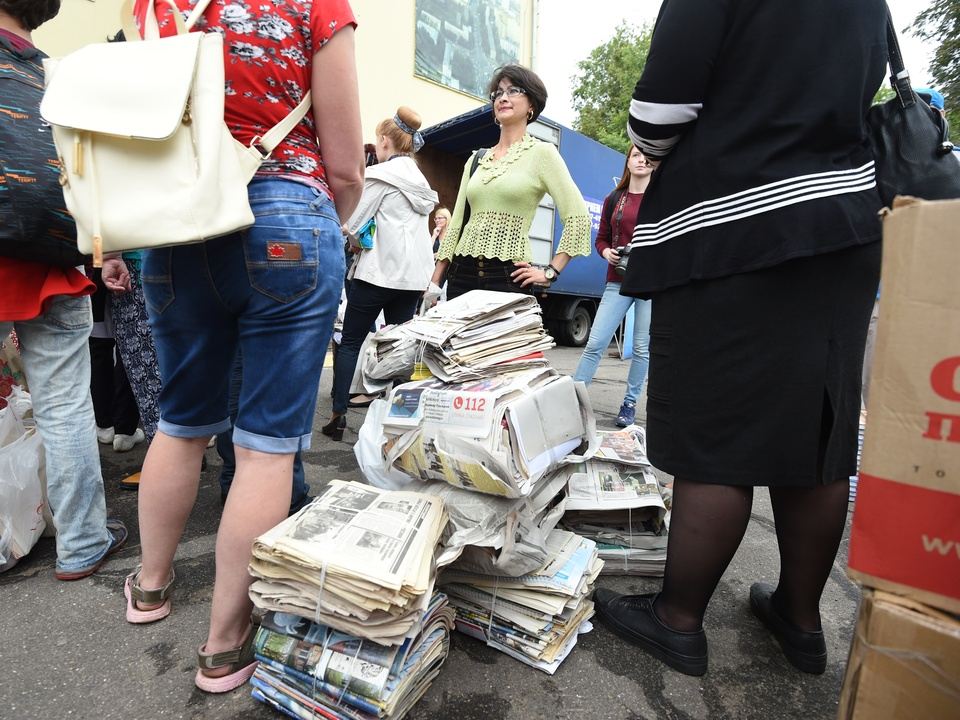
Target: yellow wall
[(385, 54)]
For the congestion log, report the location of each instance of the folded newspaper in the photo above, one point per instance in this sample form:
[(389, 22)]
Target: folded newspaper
[(498, 435), (358, 559), (534, 618), (309, 668)]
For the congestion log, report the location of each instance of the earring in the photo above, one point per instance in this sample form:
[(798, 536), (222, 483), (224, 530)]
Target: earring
[(496, 121), (530, 115)]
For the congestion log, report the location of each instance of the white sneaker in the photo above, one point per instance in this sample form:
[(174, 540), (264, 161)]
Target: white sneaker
[(105, 435), (122, 443)]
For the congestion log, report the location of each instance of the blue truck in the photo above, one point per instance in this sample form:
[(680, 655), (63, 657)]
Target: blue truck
[(570, 304)]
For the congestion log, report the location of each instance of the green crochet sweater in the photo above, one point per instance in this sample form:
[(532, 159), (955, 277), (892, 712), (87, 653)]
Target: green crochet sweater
[(504, 195)]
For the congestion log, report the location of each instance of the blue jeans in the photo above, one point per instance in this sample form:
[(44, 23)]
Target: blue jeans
[(270, 292), (363, 306), (301, 491), (56, 359), (613, 308)]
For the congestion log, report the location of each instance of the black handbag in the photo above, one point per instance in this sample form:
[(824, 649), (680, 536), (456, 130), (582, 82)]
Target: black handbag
[(912, 148)]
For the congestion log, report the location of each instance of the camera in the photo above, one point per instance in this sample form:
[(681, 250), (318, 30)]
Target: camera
[(621, 267)]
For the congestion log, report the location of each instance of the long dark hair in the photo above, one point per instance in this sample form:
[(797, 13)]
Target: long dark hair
[(625, 176)]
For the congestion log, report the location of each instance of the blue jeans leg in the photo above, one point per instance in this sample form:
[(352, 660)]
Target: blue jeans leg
[(641, 349), (301, 491), (613, 306), (56, 358)]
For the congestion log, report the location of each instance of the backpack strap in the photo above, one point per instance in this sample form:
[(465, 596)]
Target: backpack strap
[(477, 156)]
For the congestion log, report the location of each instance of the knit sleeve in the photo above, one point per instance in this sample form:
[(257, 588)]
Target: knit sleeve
[(575, 239), (448, 246)]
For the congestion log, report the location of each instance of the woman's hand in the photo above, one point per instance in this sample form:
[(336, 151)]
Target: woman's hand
[(526, 274), (611, 255), (115, 276)]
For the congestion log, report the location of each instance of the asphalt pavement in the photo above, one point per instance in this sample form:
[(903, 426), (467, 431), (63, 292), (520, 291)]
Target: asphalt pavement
[(67, 651)]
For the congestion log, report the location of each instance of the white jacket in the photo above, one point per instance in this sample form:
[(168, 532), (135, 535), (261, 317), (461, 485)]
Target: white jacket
[(397, 193)]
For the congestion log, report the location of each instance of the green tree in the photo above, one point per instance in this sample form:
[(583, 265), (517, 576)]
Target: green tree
[(940, 24), (604, 85)]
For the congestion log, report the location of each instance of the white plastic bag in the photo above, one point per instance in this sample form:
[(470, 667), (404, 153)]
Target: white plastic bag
[(21, 495), (369, 451)]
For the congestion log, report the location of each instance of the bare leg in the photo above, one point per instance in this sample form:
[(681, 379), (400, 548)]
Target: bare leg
[(168, 489), (259, 498), (707, 525), (810, 524)]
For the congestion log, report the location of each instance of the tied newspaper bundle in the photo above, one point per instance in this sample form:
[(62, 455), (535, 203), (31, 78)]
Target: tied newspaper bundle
[(311, 670), (357, 559), (614, 498), (478, 334), (498, 435), (536, 617)]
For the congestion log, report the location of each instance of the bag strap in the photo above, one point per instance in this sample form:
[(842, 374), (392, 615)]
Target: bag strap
[(899, 77), (477, 157)]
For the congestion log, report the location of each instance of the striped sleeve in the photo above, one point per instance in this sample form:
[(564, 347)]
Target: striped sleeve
[(669, 95)]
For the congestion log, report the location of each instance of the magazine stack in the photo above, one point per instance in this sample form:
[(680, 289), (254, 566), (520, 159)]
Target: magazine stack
[(536, 617), (353, 627), (614, 498)]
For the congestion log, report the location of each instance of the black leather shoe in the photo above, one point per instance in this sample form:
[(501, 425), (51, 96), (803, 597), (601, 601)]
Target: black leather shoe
[(334, 429), (632, 618), (805, 650)]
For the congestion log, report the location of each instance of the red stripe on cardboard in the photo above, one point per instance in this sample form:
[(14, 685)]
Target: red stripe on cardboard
[(907, 534)]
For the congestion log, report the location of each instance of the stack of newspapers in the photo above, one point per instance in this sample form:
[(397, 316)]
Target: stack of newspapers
[(310, 670), (614, 498), (536, 617), (478, 334), (357, 559), (500, 434)]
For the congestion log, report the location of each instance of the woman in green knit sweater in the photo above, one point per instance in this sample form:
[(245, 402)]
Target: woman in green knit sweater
[(491, 250)]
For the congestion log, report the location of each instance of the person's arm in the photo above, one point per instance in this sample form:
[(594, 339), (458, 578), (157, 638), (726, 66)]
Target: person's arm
[(669, 95), (336, 112), (575, 238), (448, 246)]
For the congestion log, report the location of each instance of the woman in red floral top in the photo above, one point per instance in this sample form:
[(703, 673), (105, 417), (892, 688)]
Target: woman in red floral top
[(269, 293)]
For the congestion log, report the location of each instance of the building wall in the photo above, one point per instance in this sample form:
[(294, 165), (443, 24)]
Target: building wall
[(385, 54)]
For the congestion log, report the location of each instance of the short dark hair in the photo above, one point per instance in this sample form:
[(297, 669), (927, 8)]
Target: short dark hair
[(30, 13), (525, 78)]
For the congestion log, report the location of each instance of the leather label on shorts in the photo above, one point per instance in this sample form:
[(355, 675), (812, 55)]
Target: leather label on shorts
[(283, 251)]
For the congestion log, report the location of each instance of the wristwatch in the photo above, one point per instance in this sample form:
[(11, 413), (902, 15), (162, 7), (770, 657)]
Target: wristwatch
[(550, 273)]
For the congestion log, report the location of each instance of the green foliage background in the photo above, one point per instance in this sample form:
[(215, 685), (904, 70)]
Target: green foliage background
[(605, 82), (940, 24)]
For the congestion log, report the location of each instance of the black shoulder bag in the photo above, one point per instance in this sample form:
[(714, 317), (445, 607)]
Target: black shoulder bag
[(913, 152)]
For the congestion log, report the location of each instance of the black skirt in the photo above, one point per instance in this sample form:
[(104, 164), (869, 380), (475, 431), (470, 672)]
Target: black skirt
[(755, 378)]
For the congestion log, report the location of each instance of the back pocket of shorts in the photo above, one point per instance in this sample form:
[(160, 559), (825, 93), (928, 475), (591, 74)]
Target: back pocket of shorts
[(157, 278)]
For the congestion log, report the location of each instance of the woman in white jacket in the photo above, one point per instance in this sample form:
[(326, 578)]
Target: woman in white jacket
[(392, 275)]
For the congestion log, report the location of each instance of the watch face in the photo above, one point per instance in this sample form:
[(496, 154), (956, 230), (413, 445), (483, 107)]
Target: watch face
[(550, 274)]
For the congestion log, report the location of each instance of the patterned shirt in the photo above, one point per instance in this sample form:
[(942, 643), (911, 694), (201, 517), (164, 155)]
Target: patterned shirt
[(268, 47)]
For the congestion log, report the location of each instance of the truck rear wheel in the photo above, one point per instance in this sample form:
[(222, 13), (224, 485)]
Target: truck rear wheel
[(575, 331)]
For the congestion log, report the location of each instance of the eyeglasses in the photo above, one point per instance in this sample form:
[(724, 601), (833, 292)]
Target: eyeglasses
[(511, 91)]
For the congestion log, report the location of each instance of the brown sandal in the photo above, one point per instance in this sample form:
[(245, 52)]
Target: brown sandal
[(240, 660)]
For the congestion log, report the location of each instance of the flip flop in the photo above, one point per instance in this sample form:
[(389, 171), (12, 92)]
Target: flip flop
[(134, 594), (131, 482)]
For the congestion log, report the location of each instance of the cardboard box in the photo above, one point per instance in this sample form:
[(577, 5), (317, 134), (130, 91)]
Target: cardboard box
[(904, 662), (905, 536)]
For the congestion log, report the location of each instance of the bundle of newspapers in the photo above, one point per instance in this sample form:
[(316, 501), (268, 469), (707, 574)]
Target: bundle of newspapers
[(614, 498), (536, 617), (309, 670), (478, 334), (498, 435), (357, 559)]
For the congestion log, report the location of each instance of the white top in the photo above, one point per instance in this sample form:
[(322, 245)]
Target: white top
[(397, 193)]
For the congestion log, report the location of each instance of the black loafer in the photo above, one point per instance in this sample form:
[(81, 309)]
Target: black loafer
[(805, 650), (632, 618)]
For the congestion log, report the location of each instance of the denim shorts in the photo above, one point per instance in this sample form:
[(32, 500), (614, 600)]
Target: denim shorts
[(271, 291)]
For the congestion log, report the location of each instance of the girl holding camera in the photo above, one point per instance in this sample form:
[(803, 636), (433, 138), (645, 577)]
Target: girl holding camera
[(617, 221)]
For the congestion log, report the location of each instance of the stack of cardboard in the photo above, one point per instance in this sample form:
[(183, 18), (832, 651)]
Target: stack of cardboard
[(534, 618), (905, 658)]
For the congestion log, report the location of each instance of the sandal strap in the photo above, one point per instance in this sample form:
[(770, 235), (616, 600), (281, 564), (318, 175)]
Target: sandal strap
[(238, 657), (150, 597)]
